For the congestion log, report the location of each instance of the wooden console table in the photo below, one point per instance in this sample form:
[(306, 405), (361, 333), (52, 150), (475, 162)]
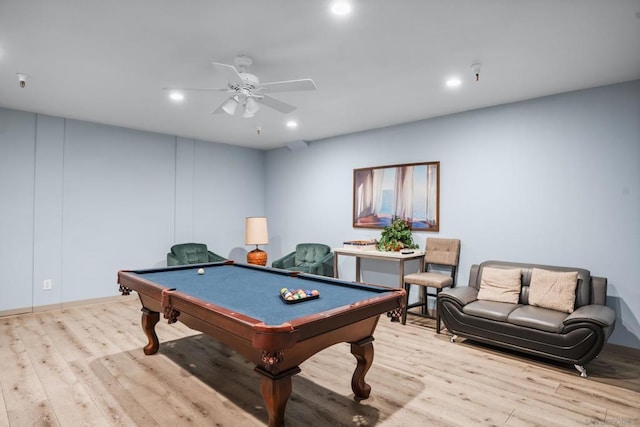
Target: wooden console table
[(398, 257)]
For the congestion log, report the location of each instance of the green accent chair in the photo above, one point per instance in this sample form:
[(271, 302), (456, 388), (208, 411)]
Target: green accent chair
[(314, 258), (191, 253)]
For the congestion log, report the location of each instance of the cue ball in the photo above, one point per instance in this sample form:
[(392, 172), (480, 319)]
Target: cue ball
[(201, 271)]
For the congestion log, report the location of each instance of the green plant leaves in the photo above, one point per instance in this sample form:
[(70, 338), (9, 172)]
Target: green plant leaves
[(396, 236)]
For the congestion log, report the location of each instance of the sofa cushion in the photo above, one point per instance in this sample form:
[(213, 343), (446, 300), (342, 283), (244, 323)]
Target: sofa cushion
[(555, 290), (491, 310), (434, 280), (500, 284), (540, 318)]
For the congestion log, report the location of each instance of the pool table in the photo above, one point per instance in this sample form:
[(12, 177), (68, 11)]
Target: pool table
[(240, 305)]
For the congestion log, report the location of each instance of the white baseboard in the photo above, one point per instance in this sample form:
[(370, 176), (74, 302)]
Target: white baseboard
[(60, 306)]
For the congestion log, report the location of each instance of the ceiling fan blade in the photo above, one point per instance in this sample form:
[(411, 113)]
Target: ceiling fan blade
[(209, 89), (277, 105), (219, 109), (287, 86), (228, 72)]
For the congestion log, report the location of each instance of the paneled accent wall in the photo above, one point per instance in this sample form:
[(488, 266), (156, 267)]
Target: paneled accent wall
[(82, 200)]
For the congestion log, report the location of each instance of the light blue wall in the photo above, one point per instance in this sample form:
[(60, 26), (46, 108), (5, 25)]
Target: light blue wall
[(17, 166), (554, 180), (81, 201), (217, 187), (117, 211), (47, 198)]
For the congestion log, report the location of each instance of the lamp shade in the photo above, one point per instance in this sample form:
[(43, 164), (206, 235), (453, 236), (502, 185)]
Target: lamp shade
[(230, 105), (251, 106), (256, 231)]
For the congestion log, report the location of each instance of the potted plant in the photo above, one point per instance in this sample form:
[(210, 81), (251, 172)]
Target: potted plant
[(396, 236)]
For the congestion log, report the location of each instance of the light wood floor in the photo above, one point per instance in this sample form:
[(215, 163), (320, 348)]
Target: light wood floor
[(83, 366)]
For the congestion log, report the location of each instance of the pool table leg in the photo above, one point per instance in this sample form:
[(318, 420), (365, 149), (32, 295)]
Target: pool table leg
[(149, 320), (276, 390), (363, 352)]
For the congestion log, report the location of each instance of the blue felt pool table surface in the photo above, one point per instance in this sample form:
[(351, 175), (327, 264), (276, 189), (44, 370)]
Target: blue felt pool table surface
[(255, 292)]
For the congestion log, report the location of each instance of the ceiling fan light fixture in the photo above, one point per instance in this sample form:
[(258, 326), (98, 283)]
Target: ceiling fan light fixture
[(230, 105), (251, 106)]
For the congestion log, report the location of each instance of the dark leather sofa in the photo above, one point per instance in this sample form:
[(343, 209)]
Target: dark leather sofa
[(575, 338)]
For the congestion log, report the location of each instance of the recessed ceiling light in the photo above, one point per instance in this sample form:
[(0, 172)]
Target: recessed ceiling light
[(453, 82), (292, 124), (340, 8), (176, 96)]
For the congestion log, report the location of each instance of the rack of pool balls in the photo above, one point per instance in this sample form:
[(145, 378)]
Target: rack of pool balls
[(292, 296)]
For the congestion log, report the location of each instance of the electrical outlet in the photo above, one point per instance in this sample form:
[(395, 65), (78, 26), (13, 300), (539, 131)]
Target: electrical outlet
[(47, 285)]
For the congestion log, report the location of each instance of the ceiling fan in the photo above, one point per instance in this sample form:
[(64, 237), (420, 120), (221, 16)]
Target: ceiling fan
[(246, 90)]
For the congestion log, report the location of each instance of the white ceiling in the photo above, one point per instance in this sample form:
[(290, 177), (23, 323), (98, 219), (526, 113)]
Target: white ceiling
[(384, 64)]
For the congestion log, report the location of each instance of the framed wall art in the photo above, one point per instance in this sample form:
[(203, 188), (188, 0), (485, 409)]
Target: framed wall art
[(408, 191)]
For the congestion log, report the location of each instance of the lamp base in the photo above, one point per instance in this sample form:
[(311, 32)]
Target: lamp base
[(257, 257)]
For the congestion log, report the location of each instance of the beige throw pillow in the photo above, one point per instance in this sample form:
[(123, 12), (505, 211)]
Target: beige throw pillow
[(553, 289), (500, 284)]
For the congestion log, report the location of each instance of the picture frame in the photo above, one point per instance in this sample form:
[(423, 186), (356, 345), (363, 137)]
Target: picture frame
[(409, 191)]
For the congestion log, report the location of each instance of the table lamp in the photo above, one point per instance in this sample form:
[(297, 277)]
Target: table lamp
[(256, 234)]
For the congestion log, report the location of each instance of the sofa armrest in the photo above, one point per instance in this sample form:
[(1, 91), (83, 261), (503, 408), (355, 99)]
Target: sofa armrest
[(473, 276), (321, 266), (327, 265), (285, 262), (598, 314), (213, 257), (463, 295), (598, 290), (172, 260)]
